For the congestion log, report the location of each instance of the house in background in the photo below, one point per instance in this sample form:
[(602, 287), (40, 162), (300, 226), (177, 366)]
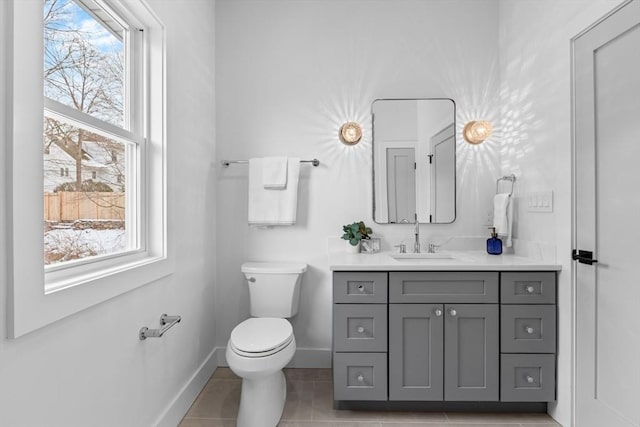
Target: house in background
[(102, 162)]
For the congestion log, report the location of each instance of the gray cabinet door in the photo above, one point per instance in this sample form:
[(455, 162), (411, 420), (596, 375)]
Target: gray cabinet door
[(360, 287), (471, 352), (360, 327), (528, 328), (416, 351), (528, 378), (443, 287), (537, 287), (360, 376)]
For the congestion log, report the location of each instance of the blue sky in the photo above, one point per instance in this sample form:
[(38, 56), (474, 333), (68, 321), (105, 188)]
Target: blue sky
[(93, 31)]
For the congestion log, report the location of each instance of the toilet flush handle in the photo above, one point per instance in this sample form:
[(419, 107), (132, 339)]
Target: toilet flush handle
[(252, 279)]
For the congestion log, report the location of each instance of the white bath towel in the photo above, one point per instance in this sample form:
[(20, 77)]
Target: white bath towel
[(274, 173), (268, 207), (503, 217)]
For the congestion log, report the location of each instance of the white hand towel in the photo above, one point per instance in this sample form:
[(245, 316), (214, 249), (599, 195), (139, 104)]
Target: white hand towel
[(267, 207), (503, 216), (274, 173)]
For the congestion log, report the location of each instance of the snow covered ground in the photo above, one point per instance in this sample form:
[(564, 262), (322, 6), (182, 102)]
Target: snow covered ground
[(67, 244)]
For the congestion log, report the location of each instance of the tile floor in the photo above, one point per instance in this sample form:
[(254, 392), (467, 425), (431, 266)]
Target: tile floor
[(310, 404)]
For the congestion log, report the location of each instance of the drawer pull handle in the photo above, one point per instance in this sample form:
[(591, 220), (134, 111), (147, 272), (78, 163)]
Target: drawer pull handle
[(360, 329), (361, 288), (529, 289), (438, 312), (453, 312), (360, 378), (529, 329), (529, 379)]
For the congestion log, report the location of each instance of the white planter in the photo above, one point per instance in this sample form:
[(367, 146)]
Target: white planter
[(352, 249)]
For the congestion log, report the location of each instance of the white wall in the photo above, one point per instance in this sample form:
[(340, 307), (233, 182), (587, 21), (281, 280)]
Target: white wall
[(535, 75), (90, 369), (288, 74)]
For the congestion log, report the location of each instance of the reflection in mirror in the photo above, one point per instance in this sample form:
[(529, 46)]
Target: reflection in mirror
[(414, 160)]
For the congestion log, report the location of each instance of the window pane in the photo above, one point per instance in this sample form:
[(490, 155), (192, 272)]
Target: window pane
[(84, 193), (84, 59)]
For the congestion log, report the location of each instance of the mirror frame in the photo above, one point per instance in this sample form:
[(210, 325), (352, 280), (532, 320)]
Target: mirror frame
[(373, 158)]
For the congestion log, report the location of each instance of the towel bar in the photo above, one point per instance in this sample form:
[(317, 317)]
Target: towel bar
[(226, 163)]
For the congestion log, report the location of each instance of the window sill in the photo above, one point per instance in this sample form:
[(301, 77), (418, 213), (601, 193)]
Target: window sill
[(34, 309)]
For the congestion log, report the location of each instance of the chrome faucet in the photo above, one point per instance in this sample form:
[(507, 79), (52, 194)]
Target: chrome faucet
[(416, 244)]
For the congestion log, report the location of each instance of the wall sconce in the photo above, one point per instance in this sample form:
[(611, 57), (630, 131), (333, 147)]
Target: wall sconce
[(475, 132), (350, 133)]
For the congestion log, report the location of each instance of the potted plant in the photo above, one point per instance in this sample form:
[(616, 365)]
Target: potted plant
[(354, 233)]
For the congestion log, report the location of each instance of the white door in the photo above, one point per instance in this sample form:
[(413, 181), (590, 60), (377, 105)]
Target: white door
[(607, 220), (401, 184), (443, 175)]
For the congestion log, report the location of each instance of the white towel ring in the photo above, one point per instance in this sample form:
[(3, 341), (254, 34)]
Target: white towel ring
[(511, 178)]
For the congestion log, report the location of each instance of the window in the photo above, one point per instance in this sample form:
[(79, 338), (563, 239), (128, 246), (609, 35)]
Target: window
[(91, 61), (115, 49)]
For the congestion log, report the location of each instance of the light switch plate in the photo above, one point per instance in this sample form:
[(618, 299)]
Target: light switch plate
[(540, 201)]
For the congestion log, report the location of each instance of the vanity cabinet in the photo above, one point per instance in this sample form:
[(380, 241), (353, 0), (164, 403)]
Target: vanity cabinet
[(443, 352), (360, 336), (528, 336), (444, 336), (447, 350)]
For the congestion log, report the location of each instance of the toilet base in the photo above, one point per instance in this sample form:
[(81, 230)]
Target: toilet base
[(262, 400)]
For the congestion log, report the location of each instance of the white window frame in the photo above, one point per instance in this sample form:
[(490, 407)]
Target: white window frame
[(84, 284)]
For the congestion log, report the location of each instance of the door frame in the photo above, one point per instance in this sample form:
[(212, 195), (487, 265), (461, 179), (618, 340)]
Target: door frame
[(574, 230)]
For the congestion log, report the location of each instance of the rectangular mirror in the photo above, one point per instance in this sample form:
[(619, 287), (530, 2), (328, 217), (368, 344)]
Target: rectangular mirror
[(414, 160)]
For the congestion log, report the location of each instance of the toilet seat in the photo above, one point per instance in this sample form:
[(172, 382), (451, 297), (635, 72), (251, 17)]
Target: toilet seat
[(261, 336)]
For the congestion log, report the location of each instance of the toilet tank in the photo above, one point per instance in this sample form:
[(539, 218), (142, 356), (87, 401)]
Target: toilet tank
[(274, 288)]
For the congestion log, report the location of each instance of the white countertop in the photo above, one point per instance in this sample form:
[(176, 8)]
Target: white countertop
[(461, 261)]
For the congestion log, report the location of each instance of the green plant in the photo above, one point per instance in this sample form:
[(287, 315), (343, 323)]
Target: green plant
[(356, 232)]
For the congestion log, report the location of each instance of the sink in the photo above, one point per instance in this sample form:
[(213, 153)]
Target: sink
[(421, 256)]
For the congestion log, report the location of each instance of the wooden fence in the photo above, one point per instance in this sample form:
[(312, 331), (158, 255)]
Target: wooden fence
[(70, 206)]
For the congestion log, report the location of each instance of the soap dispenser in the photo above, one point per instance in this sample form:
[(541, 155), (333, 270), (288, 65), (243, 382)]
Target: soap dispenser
[(494, 244)]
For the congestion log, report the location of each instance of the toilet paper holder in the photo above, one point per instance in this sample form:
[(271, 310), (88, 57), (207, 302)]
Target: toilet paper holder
[(166, 322)]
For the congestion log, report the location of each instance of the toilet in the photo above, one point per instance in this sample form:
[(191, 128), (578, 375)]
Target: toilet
[(261, 346)]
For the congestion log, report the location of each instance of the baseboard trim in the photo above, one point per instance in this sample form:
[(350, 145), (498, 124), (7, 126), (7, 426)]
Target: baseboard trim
[(183, 400), (304, 358)]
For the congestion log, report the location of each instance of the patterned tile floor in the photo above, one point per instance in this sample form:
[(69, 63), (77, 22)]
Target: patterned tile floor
[(310, 404)]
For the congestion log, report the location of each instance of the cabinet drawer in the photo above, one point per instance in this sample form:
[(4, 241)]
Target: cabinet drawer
[(360, 376), (527, 378), (439, 287), (360, 327), (528, 288), (528, 328), (359, 287)]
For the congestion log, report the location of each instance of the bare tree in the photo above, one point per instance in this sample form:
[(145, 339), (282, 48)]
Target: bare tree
[(82, 76)]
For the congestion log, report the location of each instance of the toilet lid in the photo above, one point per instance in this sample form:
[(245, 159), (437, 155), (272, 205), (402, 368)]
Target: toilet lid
[(261, 334)]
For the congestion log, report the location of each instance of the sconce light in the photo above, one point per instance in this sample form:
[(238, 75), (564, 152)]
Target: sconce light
[(475, 132), (350, 133)]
